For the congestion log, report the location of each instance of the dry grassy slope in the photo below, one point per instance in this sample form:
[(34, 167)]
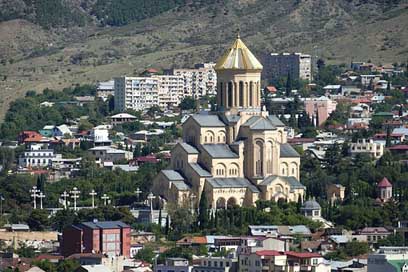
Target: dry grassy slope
[(330, 28)]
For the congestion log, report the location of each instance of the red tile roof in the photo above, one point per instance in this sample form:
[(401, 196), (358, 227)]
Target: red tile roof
[(271, 89), (302, 255), (398, 147), (384, 183), (269, 253)]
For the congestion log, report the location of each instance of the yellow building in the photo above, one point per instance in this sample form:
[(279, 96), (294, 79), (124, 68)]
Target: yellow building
[(239, 153)]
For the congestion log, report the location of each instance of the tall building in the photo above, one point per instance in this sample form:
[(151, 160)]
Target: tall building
[(139, 93), (109, 237), (298, 65), (237, 154), (199, 81)]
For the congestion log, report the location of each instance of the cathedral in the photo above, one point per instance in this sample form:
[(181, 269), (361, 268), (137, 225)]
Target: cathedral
[(236, 154)]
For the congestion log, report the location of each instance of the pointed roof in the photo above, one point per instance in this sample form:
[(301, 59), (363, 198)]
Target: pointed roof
[(384, 183), (238, 57)]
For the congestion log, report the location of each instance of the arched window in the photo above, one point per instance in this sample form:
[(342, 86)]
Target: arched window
[(251, 89), (258, 158), (229, 92), (241, 94), (220, 169)]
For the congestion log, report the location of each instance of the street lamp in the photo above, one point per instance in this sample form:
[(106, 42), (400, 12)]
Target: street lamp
[(75, 195), (41, 196), (138, 192), (93, 194), (105, 199), (64, 195), (34, 195), (151, 197)]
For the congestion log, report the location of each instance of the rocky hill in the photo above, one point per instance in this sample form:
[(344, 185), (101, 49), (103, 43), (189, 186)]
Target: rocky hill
[(92, 40)]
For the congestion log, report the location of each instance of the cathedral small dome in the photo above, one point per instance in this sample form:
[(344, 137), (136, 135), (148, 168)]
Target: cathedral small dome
[(311, 205)]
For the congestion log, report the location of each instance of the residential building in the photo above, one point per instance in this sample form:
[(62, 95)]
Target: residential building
[(141, 93), (216, 264), (263, 260), (237, 154), (100, 136), (38, 155), (298, 65), (363, 146), (109, 237), (306, 261), (122, 118), (198, 81), (107, 153), (105, 89), (146, 135), (375, 234), (173, 265), (393, 259), (319, 109)]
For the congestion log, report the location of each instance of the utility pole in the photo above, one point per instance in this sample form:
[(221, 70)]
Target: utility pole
[(34, 195), (75, 195), (64, 195), (151, 197), (105, 199), (93, 194), (41, 196)]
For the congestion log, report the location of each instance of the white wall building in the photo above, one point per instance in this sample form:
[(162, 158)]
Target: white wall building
[(298, 65), (107, 153), (140, 93), (198, 81), (37, 155), (374, 149)]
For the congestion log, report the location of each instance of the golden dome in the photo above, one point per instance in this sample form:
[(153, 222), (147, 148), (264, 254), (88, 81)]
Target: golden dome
[(238, 57)]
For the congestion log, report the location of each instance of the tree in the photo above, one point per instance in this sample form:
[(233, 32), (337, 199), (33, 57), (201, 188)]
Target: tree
[(288, 87), (38, 220), (188, 103), (203, 211), (68, 265), (145, 254)]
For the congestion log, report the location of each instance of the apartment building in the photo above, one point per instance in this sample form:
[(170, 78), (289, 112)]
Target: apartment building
[(140, 93), (198, 81), (108, 237), (37, 155), (298, 65)]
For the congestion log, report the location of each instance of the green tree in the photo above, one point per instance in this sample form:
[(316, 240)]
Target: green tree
[(38, 220), (203, 211), (188, 103), (145, 254)]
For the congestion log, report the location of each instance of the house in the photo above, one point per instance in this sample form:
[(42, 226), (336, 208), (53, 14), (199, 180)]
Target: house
[(93, 268), (399, 149), (61, 131), (384, 189), (332, 89), (388, 259), (37, 155), (311, 209), (263, 260), (305, 261), (31, 137), (122, 118), (335, 192), (375, 234), (146, 135), (100, 137), (107, 153)]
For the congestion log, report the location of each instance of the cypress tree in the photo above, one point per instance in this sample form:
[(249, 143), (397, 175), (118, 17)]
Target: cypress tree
[(167, 228), (203, 211), (160, 218)]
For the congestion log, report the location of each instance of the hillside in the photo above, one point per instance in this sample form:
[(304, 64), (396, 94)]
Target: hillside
[(35, 56)]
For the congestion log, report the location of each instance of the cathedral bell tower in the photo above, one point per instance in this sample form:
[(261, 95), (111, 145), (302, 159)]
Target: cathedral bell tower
[(238, 79)]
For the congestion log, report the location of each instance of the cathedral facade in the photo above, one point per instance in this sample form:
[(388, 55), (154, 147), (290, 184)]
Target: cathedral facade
[(237, 154)]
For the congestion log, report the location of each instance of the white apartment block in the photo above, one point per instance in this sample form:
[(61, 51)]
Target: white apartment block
[(198, 81), (374, 149), (140, 93), (298, 65)]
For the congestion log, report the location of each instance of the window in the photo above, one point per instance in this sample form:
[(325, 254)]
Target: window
[(241, 94)]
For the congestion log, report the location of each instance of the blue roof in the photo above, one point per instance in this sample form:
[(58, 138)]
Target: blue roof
[(259, 123), (287, 151), (199, 170), (276, 121), (219, 151), (105, 225), (205, 120), (172, 175), (232, 183)]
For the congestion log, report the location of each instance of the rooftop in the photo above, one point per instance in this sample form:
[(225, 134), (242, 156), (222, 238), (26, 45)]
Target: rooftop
[(105, 225), (219, 151)]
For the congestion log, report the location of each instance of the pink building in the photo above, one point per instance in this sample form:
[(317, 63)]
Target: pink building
[(319, 109)]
